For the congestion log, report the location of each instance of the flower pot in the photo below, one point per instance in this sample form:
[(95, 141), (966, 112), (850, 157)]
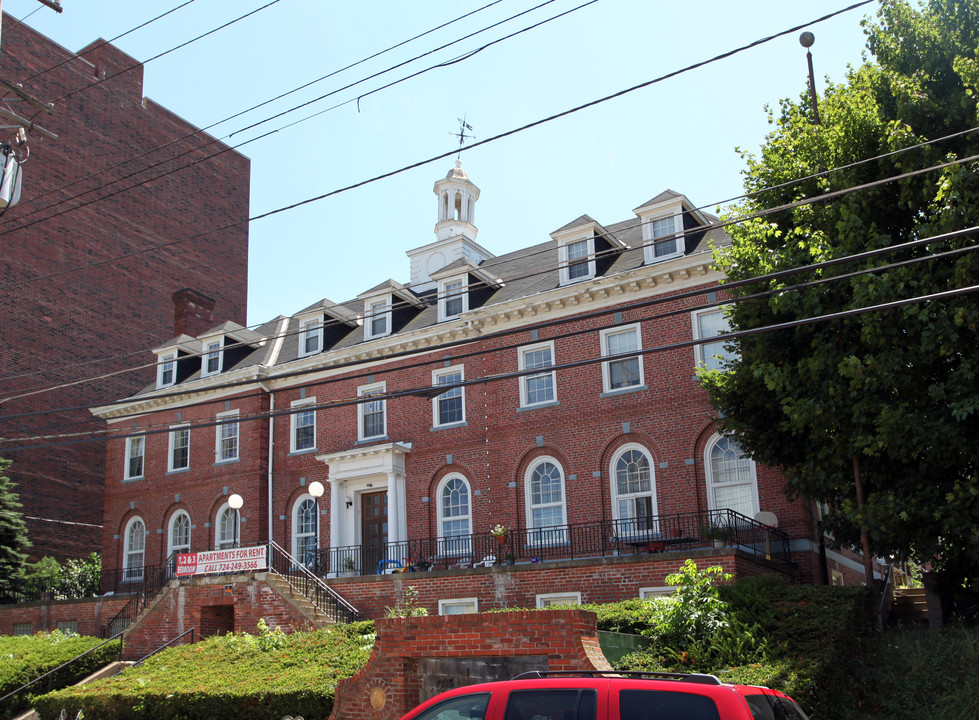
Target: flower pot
[(500, 540)]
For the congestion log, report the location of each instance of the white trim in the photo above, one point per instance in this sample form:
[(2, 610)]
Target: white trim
[(587, 260), (450, 545), (545, 600), (295, 525), (173, 521), (213, 349), (711, 362), (166, 363), (614, 485), (437, 375), (616, 358), (376, 309), (310, 328), (525, 379), (218, 439), (300, 409), (174, 429), (709, 476), (646, 593), (129, 568), (649, 236), (219, 542), (445, 294), (372, 389), (559, 533), (130, 456), (469, 601)]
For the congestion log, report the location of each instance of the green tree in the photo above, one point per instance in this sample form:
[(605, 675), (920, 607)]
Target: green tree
[(13, 533), (887, 401)]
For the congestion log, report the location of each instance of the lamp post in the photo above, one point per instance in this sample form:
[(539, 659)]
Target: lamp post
[(235, 502), (806, 40), (316, 489)]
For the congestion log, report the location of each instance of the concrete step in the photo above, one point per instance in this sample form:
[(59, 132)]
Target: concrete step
[(113, 668)]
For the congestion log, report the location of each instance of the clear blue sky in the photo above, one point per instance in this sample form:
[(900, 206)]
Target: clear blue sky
[(679, 134)]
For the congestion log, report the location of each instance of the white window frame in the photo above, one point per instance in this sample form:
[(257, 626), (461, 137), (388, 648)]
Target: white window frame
[(166, 363), (221, 543), (545, 600), (557, 534), (701, 358), (469, 602), (460, 392), (712, 485), (447, 293), (566, 261), (139, 440), (131, 571), (649, 236), (315, 534), (457, 545), (310, 328), (172, 448), (526, 379), (645, 593), (620, 357), (374, 310), (362, 407), (298, 408), (183, 547), (212, 349), (622, 523), (219, 437)]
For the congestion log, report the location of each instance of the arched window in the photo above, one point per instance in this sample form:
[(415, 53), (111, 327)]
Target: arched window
[(178, 537), (633, 490), (228, 528), (454, 516), (134, 554), (732, 482), (546, 511), (305, 531)]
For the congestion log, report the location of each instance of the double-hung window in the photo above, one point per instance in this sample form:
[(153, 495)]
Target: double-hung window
[(134, 552), (449, 408), (135, 453), (732, 481), (303, 425), (578, 262), (454, 517), (179, 536), (634, 492), (226, 437), (710, 324), (212, 359), (538, 388), (179, 448), (622, 371), (166, 369), (664, 240), (453, 299), (310, 337), (546, 511), (372, 412), (378, 320)]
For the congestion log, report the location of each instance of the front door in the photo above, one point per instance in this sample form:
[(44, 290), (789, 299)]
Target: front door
[(374, 529)]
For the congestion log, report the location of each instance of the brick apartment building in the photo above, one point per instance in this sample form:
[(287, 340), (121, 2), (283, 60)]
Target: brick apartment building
[(550, 390), (62, 325)]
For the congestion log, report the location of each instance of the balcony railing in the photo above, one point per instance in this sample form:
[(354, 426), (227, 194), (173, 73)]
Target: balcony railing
[(683, 531)]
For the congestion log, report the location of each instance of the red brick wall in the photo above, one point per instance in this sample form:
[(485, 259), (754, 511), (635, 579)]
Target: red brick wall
[(91, 615), (54, 327), (389, 685), (191, 604)]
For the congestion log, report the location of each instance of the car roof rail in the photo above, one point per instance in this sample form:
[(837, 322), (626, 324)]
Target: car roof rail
[(701, 678)]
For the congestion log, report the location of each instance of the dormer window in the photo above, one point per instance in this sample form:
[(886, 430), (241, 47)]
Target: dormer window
[(671, 225), (453, 299), (378, 320), (580, 264), (585, 250), (663, 241), (212, 358), (166, 370), (310, 336)]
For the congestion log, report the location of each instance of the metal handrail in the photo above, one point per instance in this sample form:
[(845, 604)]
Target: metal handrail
[(62, 665), (321, 595), (165, 645), (147, 590), (603, 538)]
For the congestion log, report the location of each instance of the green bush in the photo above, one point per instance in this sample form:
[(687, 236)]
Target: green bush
[(27, 657), (265, 676)]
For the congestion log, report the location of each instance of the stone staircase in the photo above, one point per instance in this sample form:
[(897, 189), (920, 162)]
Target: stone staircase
[(299, 601), (113, 668), (909, 608)]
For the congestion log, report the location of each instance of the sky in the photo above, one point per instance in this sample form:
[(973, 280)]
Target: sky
[(681, 133)]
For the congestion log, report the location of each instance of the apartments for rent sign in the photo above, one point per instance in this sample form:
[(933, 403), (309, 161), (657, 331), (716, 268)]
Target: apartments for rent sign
[(220, 561)]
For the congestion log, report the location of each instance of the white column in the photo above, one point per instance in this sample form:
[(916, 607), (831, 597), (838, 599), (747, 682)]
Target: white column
[(336, 513), (395, 509)]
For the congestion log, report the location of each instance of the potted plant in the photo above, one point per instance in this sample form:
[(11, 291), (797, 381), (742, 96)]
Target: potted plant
[(349, 565), (510, 559), (718, 534), (423, 565), (500, 532)]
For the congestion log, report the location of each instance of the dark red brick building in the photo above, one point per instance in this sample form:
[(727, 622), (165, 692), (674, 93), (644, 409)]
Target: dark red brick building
[(112, 188), (550, 391)]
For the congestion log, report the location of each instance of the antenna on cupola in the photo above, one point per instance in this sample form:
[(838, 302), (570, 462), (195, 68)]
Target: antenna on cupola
[(463, 126)]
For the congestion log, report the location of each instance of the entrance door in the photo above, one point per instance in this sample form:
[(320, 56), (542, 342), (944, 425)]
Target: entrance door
[(374, 529)]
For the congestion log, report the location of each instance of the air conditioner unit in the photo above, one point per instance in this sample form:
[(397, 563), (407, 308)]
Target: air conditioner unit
[(10, 180)]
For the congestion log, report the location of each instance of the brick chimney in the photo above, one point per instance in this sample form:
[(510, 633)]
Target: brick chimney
[(192, 312)]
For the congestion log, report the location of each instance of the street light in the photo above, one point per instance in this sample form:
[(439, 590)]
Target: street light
[(315, 489), (806, 40), (235, 502)]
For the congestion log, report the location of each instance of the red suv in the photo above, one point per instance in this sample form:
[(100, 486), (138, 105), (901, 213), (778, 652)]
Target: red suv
[(609, 696)]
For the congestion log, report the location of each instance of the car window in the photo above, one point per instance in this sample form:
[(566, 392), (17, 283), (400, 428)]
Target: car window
[(773, 707), (665, 705), (552, 705), (463, 707)]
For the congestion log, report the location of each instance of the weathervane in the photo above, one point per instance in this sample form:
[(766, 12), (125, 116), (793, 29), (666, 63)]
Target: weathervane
[(463, 126)]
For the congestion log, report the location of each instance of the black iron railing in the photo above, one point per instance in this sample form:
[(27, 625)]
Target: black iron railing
[(662, 533), (304, 581), (143, 583)]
